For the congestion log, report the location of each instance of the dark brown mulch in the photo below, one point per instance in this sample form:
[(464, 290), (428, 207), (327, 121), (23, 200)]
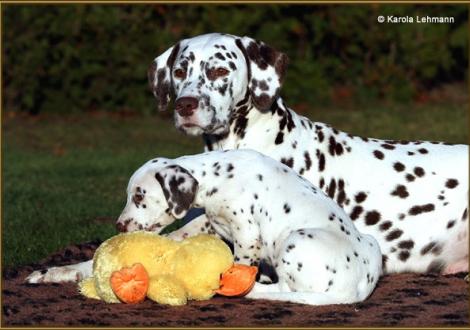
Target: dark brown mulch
[(399, 300)]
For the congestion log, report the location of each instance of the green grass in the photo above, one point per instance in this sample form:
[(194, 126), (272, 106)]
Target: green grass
[(64, 177)]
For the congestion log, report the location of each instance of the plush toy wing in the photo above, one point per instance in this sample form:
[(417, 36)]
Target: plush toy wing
[(238, 280), (130, 284)]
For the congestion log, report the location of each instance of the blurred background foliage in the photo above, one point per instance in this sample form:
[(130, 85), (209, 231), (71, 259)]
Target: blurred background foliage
[(77, 57)]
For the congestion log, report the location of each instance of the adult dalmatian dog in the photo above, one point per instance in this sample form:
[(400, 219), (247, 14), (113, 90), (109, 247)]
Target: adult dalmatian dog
[(270, 213), (411, 196)]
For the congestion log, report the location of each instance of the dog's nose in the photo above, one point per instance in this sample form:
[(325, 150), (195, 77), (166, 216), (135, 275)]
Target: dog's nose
[(185, 106), (121, 227)]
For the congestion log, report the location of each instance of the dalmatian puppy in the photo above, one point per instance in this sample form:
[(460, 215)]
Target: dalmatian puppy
[(268, 212), (411, 196)]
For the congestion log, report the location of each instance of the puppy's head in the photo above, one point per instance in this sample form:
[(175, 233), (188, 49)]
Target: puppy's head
[(158, 193)]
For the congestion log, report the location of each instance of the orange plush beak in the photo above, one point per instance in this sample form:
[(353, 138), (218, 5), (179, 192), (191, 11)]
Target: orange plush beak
[(237, 280)]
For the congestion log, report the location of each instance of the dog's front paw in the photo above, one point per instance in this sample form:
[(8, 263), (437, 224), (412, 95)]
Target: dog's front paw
[(55, 275)]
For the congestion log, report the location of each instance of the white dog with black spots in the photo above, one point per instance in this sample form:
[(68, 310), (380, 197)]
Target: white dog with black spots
[(411, 196)]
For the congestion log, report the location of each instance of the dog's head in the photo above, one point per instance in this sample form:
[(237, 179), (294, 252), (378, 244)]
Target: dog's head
[(158, 193), (213, 74)]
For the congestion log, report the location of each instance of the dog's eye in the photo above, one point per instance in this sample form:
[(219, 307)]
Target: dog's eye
[(215, 73), (180, 73), (220, 72)]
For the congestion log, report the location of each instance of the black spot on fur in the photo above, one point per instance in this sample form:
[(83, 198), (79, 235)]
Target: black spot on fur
[(407, 245), (288, 161), (356, 212), (423, 151), (332, 145), (321, 162), (410, 177), (452, 183), (394, 234), (338, 149), (360, 197), (378, 154), (399, 167), (432, 247), (436, 267), (372, 218), (219, 56), (400, 191), (308, 161), (418, 209), (387, 146), (384, 226), (404, 255), (418, 171), (279, 138), (331, 188), (450, 224), (384, 261), (286, 208)]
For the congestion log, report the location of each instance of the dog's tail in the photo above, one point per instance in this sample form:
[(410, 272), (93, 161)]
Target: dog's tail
[(279, 291), (308, 298)]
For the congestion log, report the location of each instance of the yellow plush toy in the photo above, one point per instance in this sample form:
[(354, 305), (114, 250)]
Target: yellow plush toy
[(173, 271)]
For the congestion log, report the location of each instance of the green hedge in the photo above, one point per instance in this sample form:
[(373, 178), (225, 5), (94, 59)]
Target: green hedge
[(65, 58)]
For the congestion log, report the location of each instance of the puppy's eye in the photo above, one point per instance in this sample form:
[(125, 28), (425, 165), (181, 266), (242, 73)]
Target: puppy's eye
[(137, 198), (180, 73)]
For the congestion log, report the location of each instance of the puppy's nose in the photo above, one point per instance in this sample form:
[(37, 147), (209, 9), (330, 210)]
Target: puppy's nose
[(121, 227), (185, 106)]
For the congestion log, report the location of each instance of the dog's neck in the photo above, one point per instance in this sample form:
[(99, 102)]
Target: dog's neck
[(253, 128)]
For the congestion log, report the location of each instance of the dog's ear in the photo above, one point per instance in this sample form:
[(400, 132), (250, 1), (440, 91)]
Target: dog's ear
[(266, 71), (179, 188), (159, 76)]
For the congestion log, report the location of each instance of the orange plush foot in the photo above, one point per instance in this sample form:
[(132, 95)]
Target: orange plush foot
[(130, 284), (238, 280)]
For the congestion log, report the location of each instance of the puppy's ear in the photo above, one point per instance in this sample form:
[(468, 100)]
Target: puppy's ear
[(266, 71), (159, 76), (179, 188)]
